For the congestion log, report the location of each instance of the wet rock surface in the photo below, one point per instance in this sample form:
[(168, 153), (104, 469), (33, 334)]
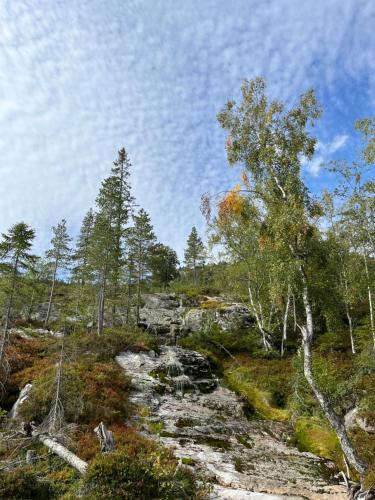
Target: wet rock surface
[(210, 433)]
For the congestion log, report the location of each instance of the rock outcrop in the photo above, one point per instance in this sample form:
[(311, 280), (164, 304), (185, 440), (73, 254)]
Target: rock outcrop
[(205, 424), (172, 315)]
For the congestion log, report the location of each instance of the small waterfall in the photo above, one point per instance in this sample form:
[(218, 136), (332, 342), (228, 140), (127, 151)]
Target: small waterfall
[(175, 371)]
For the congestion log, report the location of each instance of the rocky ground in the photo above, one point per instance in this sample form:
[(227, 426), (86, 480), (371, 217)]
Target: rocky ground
[(189, 410)]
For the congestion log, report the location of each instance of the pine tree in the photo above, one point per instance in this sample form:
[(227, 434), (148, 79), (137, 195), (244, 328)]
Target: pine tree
[(163, 264), (194, 253), (59, 257), (15, 254), (140, 240)]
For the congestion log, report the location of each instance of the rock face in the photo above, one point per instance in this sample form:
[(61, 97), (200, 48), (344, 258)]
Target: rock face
[(168, 314), (39, 312), (162, 313), (205, 424)]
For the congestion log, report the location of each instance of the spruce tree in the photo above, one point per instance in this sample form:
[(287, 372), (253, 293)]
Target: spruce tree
[(140, 240), (15, 255), (163, 265), (59, 258), (194, 253), (81, 270), (106, 255)]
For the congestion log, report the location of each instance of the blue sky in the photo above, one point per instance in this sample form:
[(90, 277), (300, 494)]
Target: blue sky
[(79, 80)]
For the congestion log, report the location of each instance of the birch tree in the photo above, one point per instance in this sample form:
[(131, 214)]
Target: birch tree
[(270, 141)]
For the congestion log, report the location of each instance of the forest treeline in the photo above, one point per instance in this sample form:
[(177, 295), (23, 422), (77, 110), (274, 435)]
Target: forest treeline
[(303, 264)]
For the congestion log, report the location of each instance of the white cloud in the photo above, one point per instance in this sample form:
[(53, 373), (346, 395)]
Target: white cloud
[(78, 80), (324, 154)]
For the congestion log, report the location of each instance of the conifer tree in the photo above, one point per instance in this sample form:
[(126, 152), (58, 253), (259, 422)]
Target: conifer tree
[(15, 254), (107, 250), (81, 270), (163, 264), (140, 240), (194, 253), (59, 257)]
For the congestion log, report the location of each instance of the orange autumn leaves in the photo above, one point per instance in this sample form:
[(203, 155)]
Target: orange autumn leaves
[(231, 205)]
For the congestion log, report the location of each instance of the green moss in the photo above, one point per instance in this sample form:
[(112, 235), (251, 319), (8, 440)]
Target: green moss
[(185, 422), (239, 465), (314, 435), (211, 304), (167, 434), (260, 401), (156, 427), (244, 441), (214, 442), (188, 461)]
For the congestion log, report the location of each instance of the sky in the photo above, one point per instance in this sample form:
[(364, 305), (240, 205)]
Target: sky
[(80, 80)]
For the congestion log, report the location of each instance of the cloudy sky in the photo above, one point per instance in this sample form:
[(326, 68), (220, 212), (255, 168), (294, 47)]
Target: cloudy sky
[(79, 80)]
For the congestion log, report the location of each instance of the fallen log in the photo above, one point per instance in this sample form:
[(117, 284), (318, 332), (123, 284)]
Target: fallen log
[(65, 454)]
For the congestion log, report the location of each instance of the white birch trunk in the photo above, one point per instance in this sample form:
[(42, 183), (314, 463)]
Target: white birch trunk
[(285, 323), (332, 417), (372, 322), (259, 320)]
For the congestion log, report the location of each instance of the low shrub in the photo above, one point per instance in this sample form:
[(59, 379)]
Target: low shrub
[(90, 392), (22, 484), (151, 475)]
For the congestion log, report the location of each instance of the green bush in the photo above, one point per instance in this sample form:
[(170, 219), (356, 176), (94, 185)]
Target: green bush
[(90, 392), (23, 485), (148, 476)]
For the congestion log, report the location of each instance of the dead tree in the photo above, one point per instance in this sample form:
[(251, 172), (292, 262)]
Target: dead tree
[(105, 436)]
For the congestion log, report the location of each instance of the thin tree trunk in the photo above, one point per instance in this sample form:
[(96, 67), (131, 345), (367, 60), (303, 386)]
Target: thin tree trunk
[(101, 304), (30, 308), (5, 335), (372, 322), (339, 427), (344, 284), (259, 320), (128, 303), (138, 294), (294, 314), (285, 323), (350, 321), (51, 294)]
